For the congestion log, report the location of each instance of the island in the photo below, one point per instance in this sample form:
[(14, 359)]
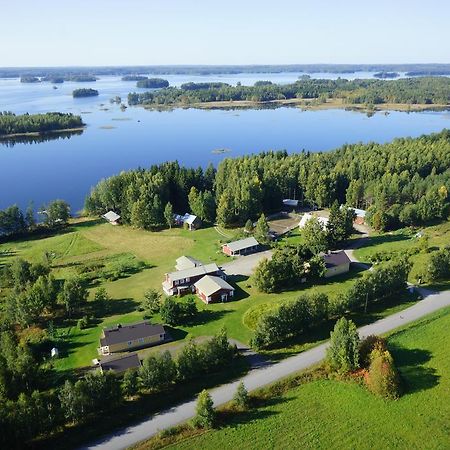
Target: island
[(12, 125), (134, 78), (152, 83), (386, 74), (53, 79), (27, 79), (366, 94), (77, 93), (80, 78)]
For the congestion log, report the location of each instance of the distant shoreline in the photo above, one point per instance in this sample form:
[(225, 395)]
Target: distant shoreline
[(305, 104), (40, 133)]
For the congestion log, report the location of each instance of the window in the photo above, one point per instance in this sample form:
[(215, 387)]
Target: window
[(188, 279), (129, 343), (141, 340)]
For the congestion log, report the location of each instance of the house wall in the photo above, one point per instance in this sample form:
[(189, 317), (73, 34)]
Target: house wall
[(144, 342), (216, 297), (226, 250), (337, 270)]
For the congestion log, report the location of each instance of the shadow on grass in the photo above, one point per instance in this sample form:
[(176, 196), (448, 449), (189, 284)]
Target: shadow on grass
[(385, 239), (105, 308), (410, 362), (175, 333), (206, 315)]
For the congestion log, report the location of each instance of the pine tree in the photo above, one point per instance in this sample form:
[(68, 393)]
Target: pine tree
[(343, 353), (262, 230), (168, 214), (241, 399), (205, 414)]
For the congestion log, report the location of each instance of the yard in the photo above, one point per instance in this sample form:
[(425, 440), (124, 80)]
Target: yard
[(335, 414)]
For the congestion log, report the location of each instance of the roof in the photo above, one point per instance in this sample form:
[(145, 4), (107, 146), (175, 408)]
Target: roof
[(194, 271), (307, 217), (125, 333), (121, 364), (111, 216), (189, 218), (242, 244), (210, 285), (334, 259), (290, 202), (187, 262), (358, 212)]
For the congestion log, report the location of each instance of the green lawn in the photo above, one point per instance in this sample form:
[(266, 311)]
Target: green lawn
[(333, 414), (438, 235)]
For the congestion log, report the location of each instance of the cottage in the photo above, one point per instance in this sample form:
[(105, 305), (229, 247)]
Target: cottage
[(182, 281), (213, 289), (307, 217), (241, 247), (193, 222), (120, 364), (336, 263), (187, 262), (112, 217), (128, 337), (360, 215)]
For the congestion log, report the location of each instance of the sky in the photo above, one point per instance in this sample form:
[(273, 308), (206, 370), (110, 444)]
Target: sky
[(147, 32)]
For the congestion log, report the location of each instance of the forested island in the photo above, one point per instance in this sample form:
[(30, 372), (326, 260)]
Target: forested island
[(386, 75), (401, 183), (84, 93), (152, 83), (134, 78), (27, 124), (80, 78), (53, 79), (407, 91), (28, 79)]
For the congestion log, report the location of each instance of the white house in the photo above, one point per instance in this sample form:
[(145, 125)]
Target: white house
[(307, 217)]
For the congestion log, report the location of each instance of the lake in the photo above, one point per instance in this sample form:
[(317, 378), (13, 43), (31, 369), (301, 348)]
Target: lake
[(116, 140)]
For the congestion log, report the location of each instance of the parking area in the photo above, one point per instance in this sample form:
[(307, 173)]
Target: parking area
[(283, 223), (245, 265)]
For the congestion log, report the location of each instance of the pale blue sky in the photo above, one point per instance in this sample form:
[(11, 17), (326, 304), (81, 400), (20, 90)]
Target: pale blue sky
[(146, 32)]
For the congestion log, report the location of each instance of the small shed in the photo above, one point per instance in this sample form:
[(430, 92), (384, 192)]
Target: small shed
[(112, 217), (336, 263), (54, 352), (241, 247), (290, 204), (193, 222), (214, 289)]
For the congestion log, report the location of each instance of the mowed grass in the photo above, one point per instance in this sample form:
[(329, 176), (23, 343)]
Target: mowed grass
[(402, 240), (334, 414)]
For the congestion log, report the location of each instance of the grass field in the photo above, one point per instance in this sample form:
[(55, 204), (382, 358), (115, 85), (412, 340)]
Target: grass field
[(87, 242), (335, 414), (438, 235)]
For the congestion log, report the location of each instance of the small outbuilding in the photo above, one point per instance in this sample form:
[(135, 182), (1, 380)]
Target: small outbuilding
[(120, 364), (54, 352), (336, 263), (241, 247), (214, 289), (360, 215), (193, 222), (112, 217)]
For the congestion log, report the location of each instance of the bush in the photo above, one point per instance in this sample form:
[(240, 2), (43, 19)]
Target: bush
[(367, 346), (205, 415), (343, 354), (383, 379), (241, 399), (177, 313), (83, 323)]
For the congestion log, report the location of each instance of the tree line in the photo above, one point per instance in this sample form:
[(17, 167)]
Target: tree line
[(422, 90), (84, 92), (401, 183), (11, 123)]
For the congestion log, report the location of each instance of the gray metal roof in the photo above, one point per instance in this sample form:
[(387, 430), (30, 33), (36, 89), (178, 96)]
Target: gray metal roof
[(209, 285), (194, 272), (125, 333), (187, 262), (336, 259), (121, 364), (242, 244), (111, 216)]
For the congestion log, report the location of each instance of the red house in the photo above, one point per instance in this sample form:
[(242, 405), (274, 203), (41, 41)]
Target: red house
[(214, 289)]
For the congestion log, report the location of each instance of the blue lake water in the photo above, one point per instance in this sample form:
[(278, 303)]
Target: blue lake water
[(67, 168)]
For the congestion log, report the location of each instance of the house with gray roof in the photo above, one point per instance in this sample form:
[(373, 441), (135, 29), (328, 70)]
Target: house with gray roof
[(336, 263), (241, 247), (120, 364), (181, 282), (214, 289)]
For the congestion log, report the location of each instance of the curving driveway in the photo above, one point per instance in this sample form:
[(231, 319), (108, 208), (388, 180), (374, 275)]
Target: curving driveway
[(260, 377)]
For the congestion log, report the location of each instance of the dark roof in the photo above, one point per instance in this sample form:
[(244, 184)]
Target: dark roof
[(336, 259), (121, 364), (125, 333)]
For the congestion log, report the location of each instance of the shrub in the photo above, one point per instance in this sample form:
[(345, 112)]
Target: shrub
[(205, 415), (241, 399), (343, 355), (83, 323), (383, 379), (367, 346)]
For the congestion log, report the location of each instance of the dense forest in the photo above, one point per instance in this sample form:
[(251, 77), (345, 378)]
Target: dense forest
[(28, 79), (84, 93), (37, 123), (427, 90), (152, 83), (386, 75), (412, 69), (405, 182)]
